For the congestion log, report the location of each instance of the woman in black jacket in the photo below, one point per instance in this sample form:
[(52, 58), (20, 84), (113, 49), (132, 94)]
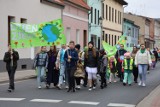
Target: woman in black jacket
[(91, 63)]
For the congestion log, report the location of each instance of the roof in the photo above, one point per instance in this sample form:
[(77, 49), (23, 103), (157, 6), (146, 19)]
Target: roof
[(80, 3), (122, 2), (127, 20), (59, 2)]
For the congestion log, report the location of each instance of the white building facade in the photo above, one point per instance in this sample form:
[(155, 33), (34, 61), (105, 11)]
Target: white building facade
[(25, 11)]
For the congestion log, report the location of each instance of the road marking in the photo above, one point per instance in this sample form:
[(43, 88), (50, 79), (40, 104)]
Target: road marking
[(46, 100), (120, 105), (84, 102), (11, 99)]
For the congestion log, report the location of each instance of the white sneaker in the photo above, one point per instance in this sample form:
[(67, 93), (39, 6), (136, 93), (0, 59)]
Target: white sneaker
[(39, 87), (78, 87), (140, 83), (94, 88), (143, 84), (82, 82), (90, 89), (66, 87)]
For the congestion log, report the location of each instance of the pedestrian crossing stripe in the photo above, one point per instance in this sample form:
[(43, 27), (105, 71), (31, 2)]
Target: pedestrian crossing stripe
[(46, 100), (120, 105), (12, 99), (83, 102)]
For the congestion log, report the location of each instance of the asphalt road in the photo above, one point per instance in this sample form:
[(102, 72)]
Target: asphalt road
[(30, 96)]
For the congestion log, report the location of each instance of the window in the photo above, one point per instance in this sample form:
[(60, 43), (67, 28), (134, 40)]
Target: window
[(99, 42), (77, 36), (68, 34), (98, 17), (115, 16), (103, 10), (115, 39), (10, 19), (23, 20), (95, 17), (103, 36), (112, 14), (107, 38), (109, 13), (120, 17), (85, 38), (112, 40), (91, 14), (106, 12)]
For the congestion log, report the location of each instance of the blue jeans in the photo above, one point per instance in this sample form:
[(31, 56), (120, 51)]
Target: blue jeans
[(40, 75), (62, 73), (142, 68)]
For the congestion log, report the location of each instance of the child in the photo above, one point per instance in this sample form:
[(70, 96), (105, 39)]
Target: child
[(103, 67), (128, 68), (112, 66)]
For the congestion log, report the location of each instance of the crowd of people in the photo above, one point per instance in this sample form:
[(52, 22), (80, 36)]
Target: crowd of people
[(71, 68)]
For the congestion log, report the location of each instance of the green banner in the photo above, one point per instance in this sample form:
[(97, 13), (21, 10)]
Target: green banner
[(111, 50), (44, 34)]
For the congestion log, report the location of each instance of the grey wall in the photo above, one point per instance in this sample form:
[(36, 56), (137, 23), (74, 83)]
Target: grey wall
[(28, 62)]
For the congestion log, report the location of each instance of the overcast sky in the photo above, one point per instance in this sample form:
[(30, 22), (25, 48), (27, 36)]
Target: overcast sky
[(150, 8)]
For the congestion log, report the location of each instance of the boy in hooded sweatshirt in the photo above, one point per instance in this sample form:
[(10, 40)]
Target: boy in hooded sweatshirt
[(128, 69), (103, 68)]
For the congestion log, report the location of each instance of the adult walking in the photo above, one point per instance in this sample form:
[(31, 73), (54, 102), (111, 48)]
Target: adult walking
[(61, 65), (155, 54), (41, 64), (11, 57), (91, 64), (135, 68), (120, 58), (142, 60), (71, 58), (53, 72)]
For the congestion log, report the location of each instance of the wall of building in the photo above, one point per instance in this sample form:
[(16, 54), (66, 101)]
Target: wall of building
[(140, 21), (112, 23), (157, 33), (132, 34), (75, 21), (35, 12), (94, 22)]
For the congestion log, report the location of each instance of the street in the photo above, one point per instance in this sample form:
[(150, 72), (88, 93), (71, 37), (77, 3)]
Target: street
[(27, 94)]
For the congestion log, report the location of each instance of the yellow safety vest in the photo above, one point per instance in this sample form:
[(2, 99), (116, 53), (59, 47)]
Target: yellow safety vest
[(126, 65)]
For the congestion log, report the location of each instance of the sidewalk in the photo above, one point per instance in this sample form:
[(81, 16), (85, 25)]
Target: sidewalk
[(152, 100), (20, 75)]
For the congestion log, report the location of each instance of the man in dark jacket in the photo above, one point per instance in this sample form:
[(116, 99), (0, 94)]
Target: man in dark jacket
[(120, 57), (11, 57), (71, 58)]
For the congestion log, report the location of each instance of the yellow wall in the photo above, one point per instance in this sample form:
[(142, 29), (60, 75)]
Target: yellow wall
[(109, 26)]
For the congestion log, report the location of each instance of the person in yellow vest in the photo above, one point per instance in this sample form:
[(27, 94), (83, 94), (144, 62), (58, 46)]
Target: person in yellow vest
[(128, 68)]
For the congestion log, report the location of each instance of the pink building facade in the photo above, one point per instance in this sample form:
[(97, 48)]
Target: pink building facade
[(75, 21)]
